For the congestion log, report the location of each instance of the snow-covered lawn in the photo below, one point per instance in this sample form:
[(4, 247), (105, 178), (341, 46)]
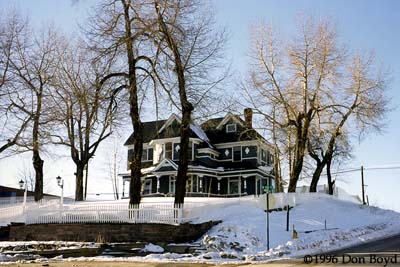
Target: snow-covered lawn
[(242, 234)]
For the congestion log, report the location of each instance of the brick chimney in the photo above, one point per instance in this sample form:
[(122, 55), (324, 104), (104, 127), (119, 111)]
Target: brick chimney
[(248, 117)]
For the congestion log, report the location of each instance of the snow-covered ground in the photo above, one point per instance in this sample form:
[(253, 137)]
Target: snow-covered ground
[(241, 237)]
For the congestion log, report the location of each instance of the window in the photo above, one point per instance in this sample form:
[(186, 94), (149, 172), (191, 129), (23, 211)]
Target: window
[(237, 153), (233, 186), (263, 156), (147, 187), (168, 150), (172, 181), (147, 154), (231, 128), (177, 148), (192, 184), (190, 151)]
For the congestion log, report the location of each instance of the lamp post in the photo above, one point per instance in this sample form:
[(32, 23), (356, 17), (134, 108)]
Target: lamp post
[(21, 186), (60, 183)]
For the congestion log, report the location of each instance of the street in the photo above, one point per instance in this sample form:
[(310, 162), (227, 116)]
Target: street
[(390, 244)]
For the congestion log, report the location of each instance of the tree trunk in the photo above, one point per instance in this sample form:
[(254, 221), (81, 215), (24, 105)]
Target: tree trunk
[(316, 175), (328, 173), (136, 184), (38, 166), (277, 172), (86, 179), (187, 109), (298, 158), (79, 181), (37, 161), (183, 158), (277, 163), (299, 150), (136, 164)]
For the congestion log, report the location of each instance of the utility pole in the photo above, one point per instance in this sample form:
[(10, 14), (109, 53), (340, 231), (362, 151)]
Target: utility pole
[(362, 185)]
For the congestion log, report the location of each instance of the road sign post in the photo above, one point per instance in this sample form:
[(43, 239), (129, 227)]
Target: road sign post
[(267, 189)]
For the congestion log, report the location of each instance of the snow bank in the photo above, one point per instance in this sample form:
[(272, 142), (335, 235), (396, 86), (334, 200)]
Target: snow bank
[(241, 237), (152, 248)]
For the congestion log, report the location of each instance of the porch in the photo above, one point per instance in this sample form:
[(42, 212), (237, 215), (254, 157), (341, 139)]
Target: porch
[(201, 185)]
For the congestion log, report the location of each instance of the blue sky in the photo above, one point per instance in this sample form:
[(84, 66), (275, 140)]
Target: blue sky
[(362, 24)]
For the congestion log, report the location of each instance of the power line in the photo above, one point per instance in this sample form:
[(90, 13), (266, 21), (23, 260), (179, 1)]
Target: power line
[(358, 169)]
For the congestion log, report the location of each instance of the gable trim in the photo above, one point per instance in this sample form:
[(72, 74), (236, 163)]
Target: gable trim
[(166, 163), (170, 120), (226, 119)]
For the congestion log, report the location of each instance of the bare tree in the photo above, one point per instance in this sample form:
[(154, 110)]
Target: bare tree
[(149, 52), (191, 48), (306, 81), (85, 107), (119, 34), (362, 104), (13, 123), (31, 69)]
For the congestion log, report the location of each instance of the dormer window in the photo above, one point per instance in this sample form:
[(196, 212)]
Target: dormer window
[(231, 128)]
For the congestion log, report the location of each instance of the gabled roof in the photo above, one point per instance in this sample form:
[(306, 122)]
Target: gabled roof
[(166, 163), (170, 120), (150, 130), (229, 116), (215, 130), (156, 130)]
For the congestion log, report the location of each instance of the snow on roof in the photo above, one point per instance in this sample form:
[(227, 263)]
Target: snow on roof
[(200, 133), (266, 168)]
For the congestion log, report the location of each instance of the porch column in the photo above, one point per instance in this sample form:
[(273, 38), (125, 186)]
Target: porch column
[(256, 184), (219, 186), (123, 187), (158, 183), (240, 186), (200, 183), (245, 184)]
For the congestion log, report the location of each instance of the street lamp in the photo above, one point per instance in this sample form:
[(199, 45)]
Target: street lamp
[(60, 183), (21, 186)]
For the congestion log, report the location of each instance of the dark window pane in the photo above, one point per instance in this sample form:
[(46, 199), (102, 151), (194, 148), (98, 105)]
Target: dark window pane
[(190, 149), (177, 148), (237, 156), (144, 155), (150, 154), (168, 150), (263, 155)]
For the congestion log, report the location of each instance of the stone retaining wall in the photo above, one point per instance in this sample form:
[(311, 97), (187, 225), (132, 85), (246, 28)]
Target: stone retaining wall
[(110, 232)]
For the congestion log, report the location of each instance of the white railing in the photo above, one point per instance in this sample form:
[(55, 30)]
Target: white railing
[(17, 212), (115, 213), (52, 212)]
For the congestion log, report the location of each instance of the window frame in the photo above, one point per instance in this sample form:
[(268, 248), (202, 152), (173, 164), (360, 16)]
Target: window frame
[(171, 184), (230, 125), (147, 154), (234, 180), (148, 182), (238, 148)]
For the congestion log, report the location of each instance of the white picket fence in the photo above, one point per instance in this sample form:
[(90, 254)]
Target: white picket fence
[(53, 212), (107, 213), (17, 212)]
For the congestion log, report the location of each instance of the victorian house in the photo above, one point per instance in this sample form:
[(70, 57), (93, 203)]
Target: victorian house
[(227, 158)]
